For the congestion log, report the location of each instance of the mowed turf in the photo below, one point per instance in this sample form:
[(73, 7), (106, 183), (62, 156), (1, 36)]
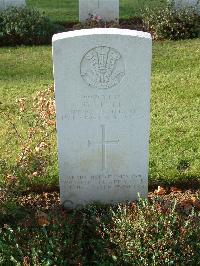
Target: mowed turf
[(67, 10), (175, 103)]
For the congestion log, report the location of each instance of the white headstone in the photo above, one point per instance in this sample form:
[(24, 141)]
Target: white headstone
[(179, 4), (108, 10), (9, 3), (102, 87)]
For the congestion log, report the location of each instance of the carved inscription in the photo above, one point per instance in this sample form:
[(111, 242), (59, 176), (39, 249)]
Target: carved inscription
[(98, 107), (103, 144), (102, 67), (104, 182)]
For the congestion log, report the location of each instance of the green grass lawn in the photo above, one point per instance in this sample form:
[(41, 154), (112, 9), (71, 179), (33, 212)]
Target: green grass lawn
[(158, 231), (175, 119), (67, 10)]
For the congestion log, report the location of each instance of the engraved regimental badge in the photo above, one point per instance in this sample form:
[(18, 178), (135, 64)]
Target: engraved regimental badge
[(102, 67)]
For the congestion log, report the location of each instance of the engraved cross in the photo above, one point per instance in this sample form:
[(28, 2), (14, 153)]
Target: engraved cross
[(103, 144)]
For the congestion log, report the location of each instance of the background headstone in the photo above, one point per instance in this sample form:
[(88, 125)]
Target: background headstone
[(8, 3), (2, 6), (108, 10), (102, 87), (179, 4)]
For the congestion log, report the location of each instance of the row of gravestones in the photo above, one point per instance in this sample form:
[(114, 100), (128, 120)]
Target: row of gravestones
[(102, 91), (107, 10)]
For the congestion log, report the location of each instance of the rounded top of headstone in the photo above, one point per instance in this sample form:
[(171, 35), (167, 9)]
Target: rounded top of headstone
[(102, 31)]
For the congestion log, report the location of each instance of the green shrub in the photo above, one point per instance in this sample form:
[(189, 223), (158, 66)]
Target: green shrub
[(172, 24), (155, 234), (146, 233), (25, 26)]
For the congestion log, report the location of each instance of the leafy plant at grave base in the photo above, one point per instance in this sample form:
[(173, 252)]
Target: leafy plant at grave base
[(146, 233), (172, 24), (25, 26), (36, 158), (62, 240), (155, 234), (10, 209)]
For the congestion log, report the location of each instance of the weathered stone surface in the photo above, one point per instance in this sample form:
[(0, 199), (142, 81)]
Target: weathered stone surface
[(102, 86), (108, 10)]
